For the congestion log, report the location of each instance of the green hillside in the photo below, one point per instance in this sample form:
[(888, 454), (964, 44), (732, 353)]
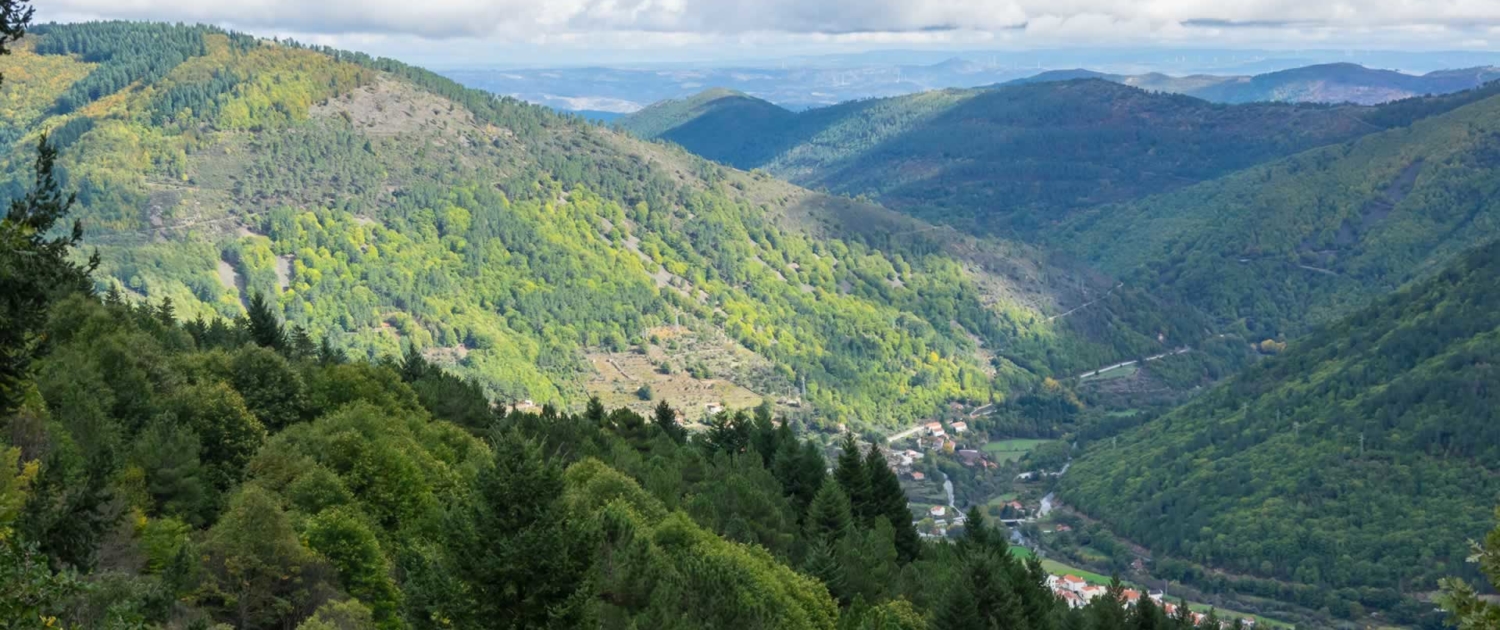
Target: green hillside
[(1352, 468), (1308, 238), (757, 127), (1013, 159), (383, 206)]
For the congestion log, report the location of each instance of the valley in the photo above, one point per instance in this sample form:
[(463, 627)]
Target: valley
[(337, 342)]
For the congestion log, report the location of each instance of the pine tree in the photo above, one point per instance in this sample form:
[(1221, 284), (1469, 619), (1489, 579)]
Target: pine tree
[(1464, 605), (764, 437), (958, 609), (1184, 617), (665, 419), (728, 433), (36, 268), (166, 313), (15, 16), (822, 563), (888, 499), (851, 475), (594, 412), (413, 365), (328, 354), (1108, 610), (302, 344), (522, 556), (1146, 616), (990, 575), (263, 325), (800, 469), (829, 517)]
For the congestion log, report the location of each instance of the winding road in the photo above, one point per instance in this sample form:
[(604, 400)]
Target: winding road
[(904, 434), (1121, 364)]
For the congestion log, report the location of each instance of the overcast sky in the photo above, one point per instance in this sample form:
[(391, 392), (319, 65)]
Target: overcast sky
[(538, 32)]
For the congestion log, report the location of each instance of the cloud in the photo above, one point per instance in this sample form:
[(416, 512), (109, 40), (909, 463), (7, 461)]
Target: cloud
[(537, 18)]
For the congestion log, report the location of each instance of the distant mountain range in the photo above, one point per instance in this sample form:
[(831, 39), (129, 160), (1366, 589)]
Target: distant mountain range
[(1008, 159), (1327, 83), (626, 90), (804, 83)]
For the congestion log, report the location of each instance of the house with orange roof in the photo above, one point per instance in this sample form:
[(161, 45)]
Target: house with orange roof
[(1074, 583)]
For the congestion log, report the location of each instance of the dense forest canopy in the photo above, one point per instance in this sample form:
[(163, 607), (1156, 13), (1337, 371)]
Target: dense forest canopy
[(1293, 242), (1356, 463), (379, 205), (269, 378), (156, 473), (1011, 159)]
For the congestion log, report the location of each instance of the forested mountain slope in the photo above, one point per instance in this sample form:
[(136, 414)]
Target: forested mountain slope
[(381, 206), (161, 474), (1353, 466), (1304, 239), (1010, 159)]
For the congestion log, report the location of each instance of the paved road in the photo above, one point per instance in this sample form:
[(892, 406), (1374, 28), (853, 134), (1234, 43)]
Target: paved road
[(1121, 364), (904, 434)]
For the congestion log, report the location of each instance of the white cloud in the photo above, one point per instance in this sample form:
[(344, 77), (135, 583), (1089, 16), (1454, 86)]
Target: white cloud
[(512, 18), (488, 30)]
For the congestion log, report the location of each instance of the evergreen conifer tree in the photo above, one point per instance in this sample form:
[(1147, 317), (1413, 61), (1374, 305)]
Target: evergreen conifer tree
[(263, 325), (851, 475)]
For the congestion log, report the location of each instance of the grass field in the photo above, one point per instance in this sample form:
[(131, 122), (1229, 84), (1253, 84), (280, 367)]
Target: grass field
[(1004, 498), (1011, 450)]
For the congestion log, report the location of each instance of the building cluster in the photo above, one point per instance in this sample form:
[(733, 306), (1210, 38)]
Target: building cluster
[(935, 436), (1077, 592), (943, 519)]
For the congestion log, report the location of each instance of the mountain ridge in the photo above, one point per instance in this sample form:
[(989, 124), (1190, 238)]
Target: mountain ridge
[(1061, 146), (384, 206), (1330, 83)]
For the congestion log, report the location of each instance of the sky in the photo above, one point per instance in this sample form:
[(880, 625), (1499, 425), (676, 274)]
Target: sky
[(456, 33)]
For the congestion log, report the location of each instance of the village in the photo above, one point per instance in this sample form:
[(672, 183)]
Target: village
[(1004, 477), (1078, 592), (1011, 492)]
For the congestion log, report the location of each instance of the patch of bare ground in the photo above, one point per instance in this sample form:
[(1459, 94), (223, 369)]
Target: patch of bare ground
[(727, 374), (392, 108)]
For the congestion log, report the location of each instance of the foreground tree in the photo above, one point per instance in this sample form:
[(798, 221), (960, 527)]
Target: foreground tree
[(36, 269), (1467, 610)]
